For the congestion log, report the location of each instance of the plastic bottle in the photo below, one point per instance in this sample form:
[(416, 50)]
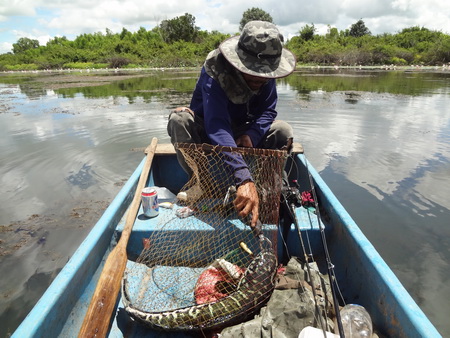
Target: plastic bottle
[(356, 321)]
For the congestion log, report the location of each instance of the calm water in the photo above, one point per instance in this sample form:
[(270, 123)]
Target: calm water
[(381, 140)]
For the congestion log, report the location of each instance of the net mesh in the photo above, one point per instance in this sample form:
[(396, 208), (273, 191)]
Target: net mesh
[(202, 266)]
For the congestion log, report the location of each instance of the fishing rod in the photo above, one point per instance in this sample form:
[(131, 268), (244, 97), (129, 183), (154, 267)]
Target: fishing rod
[(330, 265), (292, 199), (289, 202)]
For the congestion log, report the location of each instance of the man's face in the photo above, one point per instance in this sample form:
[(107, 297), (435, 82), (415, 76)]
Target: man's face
[(254, 82)]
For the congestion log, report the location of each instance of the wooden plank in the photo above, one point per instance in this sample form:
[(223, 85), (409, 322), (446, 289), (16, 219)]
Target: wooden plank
[(165, 149), (98, 316), (297, 148), (168, 149), (161, 149)]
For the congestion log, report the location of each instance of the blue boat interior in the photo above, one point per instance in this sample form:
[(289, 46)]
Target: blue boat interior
[(142, 229)]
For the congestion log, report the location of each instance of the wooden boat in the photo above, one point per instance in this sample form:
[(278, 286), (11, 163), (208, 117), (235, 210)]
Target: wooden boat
[(363, 276)]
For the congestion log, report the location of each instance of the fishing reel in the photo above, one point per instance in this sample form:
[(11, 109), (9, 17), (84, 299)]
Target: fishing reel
[(290, 195)]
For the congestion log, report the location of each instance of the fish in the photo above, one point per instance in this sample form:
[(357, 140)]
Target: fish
[(252, 292)]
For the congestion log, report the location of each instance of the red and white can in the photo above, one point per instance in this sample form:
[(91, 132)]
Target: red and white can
[(150, 204)]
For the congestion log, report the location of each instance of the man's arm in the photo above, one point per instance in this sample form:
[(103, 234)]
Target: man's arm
[(217, 122), (218, 128)]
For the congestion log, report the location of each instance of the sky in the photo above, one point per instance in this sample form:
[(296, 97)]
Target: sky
[(45, 19)]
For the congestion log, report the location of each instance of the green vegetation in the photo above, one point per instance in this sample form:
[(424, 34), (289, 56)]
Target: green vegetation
[(254, 13), (411, 46), (178, 42)]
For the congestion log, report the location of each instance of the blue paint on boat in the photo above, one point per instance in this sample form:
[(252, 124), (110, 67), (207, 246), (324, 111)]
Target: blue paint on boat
[(363, 276)]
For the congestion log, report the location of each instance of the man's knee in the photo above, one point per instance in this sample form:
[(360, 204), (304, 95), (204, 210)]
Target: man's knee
[(281, 135), (179, 120), (282, 130), (183, 127), (181, 115)]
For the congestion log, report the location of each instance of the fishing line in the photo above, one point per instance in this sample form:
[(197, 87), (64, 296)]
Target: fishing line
[(308, 268), (284, 243)]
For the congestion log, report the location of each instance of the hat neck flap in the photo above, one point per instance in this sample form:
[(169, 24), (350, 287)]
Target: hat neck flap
[(228, 77)]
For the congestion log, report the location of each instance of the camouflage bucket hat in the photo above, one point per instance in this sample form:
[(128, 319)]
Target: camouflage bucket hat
[(258, 51)]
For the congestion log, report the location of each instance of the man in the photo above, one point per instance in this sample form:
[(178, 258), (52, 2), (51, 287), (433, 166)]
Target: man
[(234, 103)]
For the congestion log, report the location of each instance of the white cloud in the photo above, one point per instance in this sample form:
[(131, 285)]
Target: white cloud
[(16, 7), (5, 47), (34, 34)]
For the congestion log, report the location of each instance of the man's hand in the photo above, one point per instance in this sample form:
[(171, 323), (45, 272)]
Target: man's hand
[(244, 141), (247, 201)]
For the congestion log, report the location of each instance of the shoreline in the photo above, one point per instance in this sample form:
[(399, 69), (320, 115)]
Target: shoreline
[(73, 78), (90, 71)]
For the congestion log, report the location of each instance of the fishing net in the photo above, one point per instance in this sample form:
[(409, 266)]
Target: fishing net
[(202, 266)]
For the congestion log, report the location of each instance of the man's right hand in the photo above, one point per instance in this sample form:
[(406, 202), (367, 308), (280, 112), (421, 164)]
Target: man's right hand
[(247, 201)]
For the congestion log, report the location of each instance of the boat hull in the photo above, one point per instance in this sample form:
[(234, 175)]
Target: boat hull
[(363, 276)]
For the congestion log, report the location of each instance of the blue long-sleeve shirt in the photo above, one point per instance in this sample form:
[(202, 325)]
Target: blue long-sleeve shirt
[(221, 116)]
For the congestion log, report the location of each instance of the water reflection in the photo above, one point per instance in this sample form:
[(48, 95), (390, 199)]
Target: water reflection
[(83, 178), (376, 81), (397, 133), (381, 140)]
